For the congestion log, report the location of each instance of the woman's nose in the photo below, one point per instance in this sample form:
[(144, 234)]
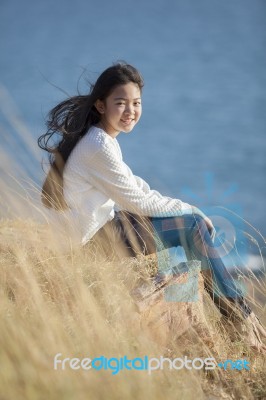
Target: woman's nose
[(129, 109)]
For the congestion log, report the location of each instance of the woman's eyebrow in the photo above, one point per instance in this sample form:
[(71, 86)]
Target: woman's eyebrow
[(122, 98)]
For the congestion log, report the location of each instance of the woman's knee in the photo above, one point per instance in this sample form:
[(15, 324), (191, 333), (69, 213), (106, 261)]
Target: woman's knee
[(198, 216)]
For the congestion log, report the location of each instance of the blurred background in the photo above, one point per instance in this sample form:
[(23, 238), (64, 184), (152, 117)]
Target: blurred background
[(202, 134)]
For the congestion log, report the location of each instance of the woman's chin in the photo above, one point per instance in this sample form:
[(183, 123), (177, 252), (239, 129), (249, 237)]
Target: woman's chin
[(128, 129)]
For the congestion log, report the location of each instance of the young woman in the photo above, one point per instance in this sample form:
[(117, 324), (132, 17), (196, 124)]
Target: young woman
[(89, 181)]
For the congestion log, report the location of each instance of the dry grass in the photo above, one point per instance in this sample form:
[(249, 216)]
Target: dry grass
[(54, 302)]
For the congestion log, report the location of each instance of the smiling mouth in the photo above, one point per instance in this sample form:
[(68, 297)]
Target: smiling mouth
[(127, 121)]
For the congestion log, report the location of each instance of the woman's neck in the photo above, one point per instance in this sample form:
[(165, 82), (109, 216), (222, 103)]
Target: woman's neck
[(111, 132)]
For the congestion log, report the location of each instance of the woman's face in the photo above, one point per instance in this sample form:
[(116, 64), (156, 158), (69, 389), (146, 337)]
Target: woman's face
[(121, 110)]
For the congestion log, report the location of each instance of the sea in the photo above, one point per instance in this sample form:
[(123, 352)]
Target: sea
[(202, 135)]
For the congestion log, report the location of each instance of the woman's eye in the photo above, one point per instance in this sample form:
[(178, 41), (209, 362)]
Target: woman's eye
[(120, 104), (138, 103)]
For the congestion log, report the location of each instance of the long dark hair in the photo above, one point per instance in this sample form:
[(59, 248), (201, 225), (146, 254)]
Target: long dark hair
[(71, 120)]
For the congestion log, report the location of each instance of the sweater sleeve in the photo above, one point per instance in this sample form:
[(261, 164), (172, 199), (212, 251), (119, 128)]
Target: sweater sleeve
[(143, 185), (109, 174)]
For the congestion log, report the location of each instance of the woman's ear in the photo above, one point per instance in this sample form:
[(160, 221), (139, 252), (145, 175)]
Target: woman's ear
[(99, 106)]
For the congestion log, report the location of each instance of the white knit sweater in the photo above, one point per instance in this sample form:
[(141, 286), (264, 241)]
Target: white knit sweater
[(97, 182)]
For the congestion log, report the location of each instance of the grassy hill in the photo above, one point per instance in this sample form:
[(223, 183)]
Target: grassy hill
[(76, 304)]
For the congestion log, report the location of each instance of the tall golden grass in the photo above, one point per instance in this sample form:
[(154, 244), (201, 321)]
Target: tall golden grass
[(60, 299)]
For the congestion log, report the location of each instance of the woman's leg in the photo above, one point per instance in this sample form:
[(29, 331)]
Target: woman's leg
[(190, 232), (150, 235)]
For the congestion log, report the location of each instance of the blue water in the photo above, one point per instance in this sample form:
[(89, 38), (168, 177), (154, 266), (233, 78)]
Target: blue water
[(202, 133)]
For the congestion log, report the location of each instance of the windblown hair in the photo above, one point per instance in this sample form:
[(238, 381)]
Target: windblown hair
[(71, 120)]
